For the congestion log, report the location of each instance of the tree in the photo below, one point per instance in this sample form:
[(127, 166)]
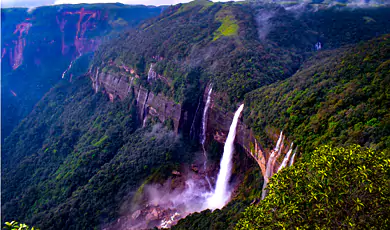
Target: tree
[(331, 188), (13, 225)]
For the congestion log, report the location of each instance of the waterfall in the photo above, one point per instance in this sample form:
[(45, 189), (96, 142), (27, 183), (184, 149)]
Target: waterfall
[(130, 85), (269, 170), (204, 123), (192, 129), (293, 157), (70, 66), (204, 118), (139, 92), (96, 80), (222, 194), (151, 74), (144, 110), (286, 158), (270, 167), (203, 134)]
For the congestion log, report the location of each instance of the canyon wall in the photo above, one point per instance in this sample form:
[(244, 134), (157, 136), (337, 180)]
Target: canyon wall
[(119, 85)]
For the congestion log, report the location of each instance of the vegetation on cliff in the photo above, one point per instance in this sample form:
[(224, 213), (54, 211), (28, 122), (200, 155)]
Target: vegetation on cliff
[(76, 158), (337, 97), (219, 43), (33, 59)]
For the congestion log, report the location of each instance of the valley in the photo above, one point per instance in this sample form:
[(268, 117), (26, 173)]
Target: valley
[(203, 115)]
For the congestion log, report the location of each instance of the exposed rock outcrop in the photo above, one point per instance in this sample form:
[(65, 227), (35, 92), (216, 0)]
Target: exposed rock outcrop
[(16, 53), (120, 85), (87, 20), (218, 125)]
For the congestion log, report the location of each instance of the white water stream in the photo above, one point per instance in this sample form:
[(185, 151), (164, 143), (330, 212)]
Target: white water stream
[(222, 191)]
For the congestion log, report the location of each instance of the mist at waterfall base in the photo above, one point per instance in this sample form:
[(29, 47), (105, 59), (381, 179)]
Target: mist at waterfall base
[(195, 195)]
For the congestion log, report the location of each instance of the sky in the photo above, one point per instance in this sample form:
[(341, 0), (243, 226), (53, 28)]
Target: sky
[(34, 3)]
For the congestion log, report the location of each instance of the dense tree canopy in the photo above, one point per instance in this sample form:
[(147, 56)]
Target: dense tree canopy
[(334, 187)]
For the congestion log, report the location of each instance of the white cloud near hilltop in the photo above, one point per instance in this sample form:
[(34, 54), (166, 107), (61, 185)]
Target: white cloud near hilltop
[(35, 3)]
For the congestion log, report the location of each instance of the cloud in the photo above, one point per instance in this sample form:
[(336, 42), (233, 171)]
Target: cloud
[(25, 3), (130, 2), (35, 3)]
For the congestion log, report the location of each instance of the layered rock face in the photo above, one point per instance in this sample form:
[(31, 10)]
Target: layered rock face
[(120, 85), (218, 124), (148, 104), (74, 26), (16, 52), (42, 45)]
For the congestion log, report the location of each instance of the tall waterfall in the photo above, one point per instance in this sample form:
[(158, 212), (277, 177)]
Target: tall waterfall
[(204, 118), (222, 194), (203, 134)]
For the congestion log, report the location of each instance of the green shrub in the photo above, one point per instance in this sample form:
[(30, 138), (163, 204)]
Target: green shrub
[(13, 225), (335, 188)]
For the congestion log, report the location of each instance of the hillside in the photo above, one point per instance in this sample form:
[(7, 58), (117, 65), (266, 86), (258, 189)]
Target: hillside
[(75, 139), (239, 47), (132, 137), (53, 36), (337, 97), (318, 90)]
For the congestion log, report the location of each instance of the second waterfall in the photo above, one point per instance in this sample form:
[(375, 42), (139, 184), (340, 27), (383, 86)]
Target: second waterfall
[(222, 191)]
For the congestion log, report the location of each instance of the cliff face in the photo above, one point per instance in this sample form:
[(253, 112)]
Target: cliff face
[(68, 31), (120, 85), (87, 21), (40, 46), (16, 49), (148, 104), (219, 121), (74, 34)]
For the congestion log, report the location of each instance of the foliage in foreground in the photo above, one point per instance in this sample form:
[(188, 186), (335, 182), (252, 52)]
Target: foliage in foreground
[(335, 188), (13, 225)]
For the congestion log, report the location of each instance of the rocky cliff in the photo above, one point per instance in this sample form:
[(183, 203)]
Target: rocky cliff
[(219, 121), (41, 45), (120, 84)]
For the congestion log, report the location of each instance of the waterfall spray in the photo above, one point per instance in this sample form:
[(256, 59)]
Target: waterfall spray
[(222, 194)]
